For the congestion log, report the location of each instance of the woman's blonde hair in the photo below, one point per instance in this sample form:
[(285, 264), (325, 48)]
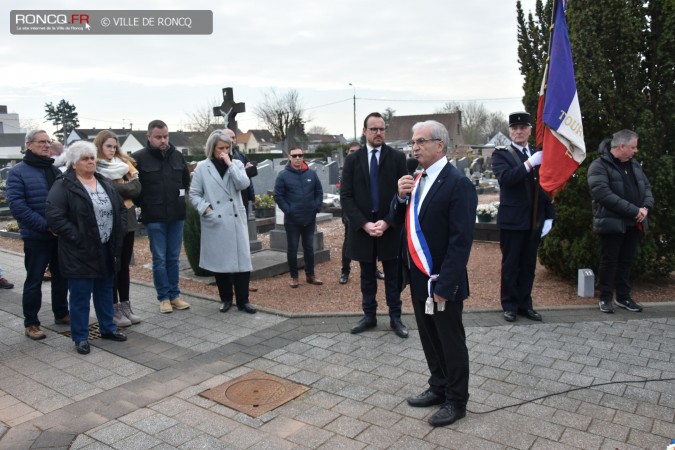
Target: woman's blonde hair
[(104, 136)]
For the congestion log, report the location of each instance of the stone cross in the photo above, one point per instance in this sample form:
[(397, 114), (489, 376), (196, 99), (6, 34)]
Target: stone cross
[(229, 109)]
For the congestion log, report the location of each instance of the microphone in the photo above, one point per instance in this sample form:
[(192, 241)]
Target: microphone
[(410, 166)]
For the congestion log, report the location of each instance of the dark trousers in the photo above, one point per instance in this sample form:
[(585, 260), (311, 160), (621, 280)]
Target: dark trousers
[(293, 233), (444, 344), (369, 287), (239, 281), (618, 253), (519, 261), (82, 291), (346, 261), (38, 254), (122, 280)]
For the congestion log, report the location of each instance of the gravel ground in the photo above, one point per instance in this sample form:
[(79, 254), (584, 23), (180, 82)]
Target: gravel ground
[(484, 268)]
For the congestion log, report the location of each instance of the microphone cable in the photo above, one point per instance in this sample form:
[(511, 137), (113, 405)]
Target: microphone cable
[(568, 391)]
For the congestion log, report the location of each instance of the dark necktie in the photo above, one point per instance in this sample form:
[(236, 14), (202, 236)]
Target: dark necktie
[(374, 188), (422, 182)]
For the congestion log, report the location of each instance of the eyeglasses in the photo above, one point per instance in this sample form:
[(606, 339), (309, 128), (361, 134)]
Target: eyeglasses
[(88, 158), (43, 142), (421, 141), (376, 130), (296, 156)]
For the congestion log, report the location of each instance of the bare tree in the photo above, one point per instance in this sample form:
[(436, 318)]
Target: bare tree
[(202, 122), (317, 129), (280, 112), (478, 124)]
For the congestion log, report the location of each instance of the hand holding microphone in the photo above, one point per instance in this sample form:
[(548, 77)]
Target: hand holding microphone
[(411, 165)]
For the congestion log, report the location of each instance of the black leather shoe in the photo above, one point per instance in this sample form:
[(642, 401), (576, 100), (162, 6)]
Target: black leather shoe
[(448, 414), (509, 316), (225, 306), (344, 278), (426, 398), (116, 336), (82, 347), (399, 328), (531, 314), (379, 275), (363, 324), (247, 308)]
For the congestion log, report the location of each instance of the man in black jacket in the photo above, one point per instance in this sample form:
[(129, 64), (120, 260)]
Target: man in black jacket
[(525, 216), (622, 200), (440, 218), (164, 178), (369, 183)]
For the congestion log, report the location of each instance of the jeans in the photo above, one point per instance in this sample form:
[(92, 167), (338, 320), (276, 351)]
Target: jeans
[(293, 234), (81, 290), (38, 255), (618, 253), (166, 239)]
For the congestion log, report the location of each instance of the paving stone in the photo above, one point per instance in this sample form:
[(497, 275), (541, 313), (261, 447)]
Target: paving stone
[(633, 421), (112, 432), (609, 430), (317, 416), (338, 442), (177, 435)]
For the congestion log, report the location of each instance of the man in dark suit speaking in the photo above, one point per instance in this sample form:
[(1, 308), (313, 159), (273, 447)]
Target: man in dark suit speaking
[(369, 178), (525, 216), (439, 220)]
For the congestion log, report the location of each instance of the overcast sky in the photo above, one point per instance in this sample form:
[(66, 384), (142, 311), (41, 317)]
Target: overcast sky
[(412, 56)]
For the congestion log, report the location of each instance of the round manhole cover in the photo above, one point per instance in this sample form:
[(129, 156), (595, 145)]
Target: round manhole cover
[(255, 392)]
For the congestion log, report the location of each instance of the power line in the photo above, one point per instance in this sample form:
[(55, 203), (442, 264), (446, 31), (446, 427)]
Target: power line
[(393, 100), (496, 99)]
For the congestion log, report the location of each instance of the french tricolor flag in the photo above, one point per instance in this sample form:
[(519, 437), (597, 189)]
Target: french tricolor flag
[(560, 132)]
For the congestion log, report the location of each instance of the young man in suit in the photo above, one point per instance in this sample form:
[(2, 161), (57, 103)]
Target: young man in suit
[(369, 179), (439, 220), (525, 216)]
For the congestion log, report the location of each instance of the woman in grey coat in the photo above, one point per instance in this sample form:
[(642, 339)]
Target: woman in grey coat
[(215, 192)]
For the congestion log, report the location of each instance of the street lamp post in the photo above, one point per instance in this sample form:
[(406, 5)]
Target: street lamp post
[(354, 89)]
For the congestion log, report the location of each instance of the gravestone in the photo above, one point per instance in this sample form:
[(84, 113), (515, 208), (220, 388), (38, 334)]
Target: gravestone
[(264, 182), (278, 239), (462, 164)]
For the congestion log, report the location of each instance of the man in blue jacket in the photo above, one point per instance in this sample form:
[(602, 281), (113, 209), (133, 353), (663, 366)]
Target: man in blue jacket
[(28, 184), (298, 193)]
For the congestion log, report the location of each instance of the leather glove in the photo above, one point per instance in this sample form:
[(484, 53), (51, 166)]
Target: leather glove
[(548, 224)]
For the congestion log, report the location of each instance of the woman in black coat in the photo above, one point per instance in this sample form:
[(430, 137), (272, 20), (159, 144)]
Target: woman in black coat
[(89, 218)]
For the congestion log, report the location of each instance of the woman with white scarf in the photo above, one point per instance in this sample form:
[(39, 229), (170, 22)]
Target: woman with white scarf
[(113, 164)]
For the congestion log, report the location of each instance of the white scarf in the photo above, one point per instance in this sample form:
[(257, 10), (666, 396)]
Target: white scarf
[(113, 170)]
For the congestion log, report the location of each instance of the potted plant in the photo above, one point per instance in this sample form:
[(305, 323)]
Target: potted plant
[(264, 205), (486, 212)]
